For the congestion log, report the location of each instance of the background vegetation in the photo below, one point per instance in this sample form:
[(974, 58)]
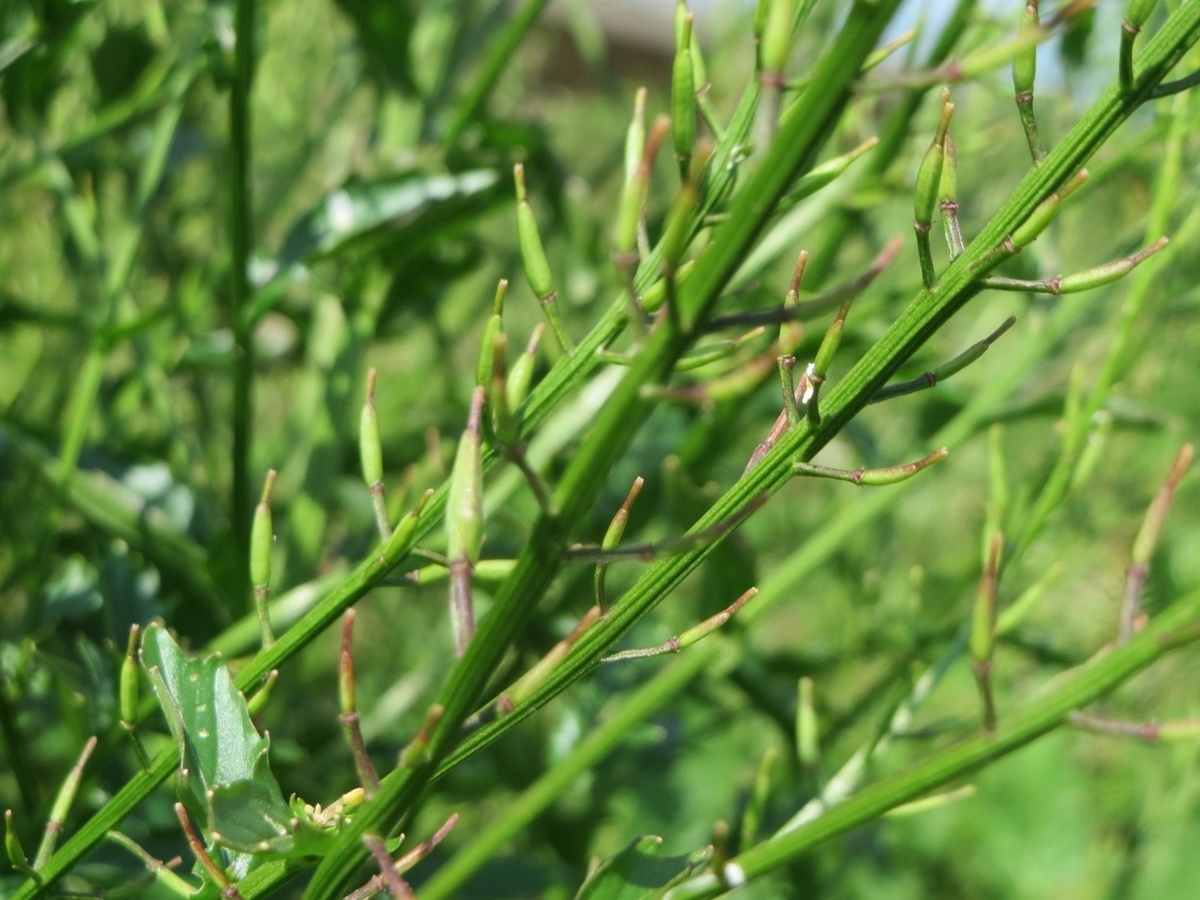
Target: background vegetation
[(376, 243)]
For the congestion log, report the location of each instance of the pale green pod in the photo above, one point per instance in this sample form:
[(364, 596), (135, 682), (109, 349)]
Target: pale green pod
[(1139, 12), (654, 295), (398, 543), (635, 136), (261, 538), (1024, 67), (12, 844), (896, 474), (1107, 273), (464, 505), (808, 745), (495, 322), (520, 377), (128, 692), (929, 175), (503, 423), (777, 35), (1027, 232), (1147, 536), (983, 617), (677, 232), (831, 342), (683, 96), (533, 254), (370, 448)]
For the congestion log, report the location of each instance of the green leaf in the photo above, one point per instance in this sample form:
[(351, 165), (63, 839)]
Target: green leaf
[(229, 782), (368, 214), (639, 872)]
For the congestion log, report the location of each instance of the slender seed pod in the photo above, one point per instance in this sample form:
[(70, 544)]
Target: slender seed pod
[(1024, 69), (1044, 214), (654, 295), (683, 96), (256, 703), (1109, 272), (464, 525), (503, 423), (777, 35), (983, 630), (756, 805), (533, 257), (525, 686), (129, 682), (635, 136), (948, 202), (62, 805), (808, 743), (12, 845), (520, 377), (1156, 514), (925, 196), (495, 322), (1136, 17), (633, 191), (261, 537), (831, 342), (370, 448), (871, 477), (1014, 614), (612, 537), (464, 505), (398, 544), (677, 232)]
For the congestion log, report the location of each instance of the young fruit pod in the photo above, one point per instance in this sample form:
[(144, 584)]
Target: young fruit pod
[(533, 257), (612, 537), (62, 806), (520, 377), (687, 638), (262, 536), (756, 803), (12, 845), (1027, 232), (948, 199), (128, 696), (683, 95), (495, 323), (677, 232), (819, 367), (635, 136), (775, 46), (872, 477), (464, 524), (808, 746), (370, 450), (983, 631), (1136, 17), (504, 424), (1024, 69), (398, 544), (925, 196)]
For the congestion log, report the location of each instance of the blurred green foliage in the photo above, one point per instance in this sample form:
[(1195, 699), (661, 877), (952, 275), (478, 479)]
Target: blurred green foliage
[(375, 247)]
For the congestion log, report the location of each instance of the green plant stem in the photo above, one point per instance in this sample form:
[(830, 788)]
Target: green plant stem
[(240, 231), (499, 53), (801, 134), (79, 414), (1175, 626)]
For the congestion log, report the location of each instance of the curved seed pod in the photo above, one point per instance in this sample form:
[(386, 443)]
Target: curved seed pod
[(520, 377), (503, 423), (12, 844), (464, 505), (1109, 272), (777, 34), (948, 202), (495, 322), (1044, 214), (398, 543), (370, 448), (929, 175), (872, 477), (683, 95), (129, 682), (533, 254)]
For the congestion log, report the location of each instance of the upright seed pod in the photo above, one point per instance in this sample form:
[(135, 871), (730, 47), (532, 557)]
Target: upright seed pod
[(128, 696), (983, 631), (520, 377), (612, 537), (261, 538), (791, 332), (925, 196), (495, 322), (370, 450), (635, 136), (808, 746), (677, 232), (1136, 17), (464, 525), (775, 46), (819, 367), (504, 425), (948, 202), (398, 545), (683, 94), (533, 256), (1024, 70), (12, 845)]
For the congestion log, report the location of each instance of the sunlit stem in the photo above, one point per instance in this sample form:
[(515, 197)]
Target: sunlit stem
[(349, 718), (689, 637)]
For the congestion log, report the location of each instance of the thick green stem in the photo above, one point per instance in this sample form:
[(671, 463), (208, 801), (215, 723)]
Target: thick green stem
[(240, 231)]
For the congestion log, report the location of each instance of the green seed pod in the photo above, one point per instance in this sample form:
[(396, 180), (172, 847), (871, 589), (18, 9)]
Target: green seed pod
[(756, 803), (1026, 233), (1109, 272), (635, 137), (699, 69), (808, 744), (1147, 537), (398, 543), (683, 95), (1139, 12), (464, 506), (948, 186), (503, 423), (495, 322), (521, 375), (777, 35), (12, 844), (654, 295), (616, 528), (830, 343), (929, 175), (762, 12), (261, 537), (1024, 67), (258, 701), (677, 232), (533, 254), (369, 446), (1016, 612), (983, 619), (896, 474), (129, 681)]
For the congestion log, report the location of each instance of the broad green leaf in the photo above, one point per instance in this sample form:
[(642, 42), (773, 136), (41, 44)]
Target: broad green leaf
[(363, 214), (229, 782), (639, 872)]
